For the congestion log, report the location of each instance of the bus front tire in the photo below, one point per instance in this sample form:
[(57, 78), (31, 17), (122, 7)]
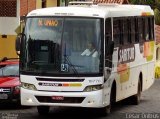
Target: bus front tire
[(43, 110), (106, 110), (136, 98)]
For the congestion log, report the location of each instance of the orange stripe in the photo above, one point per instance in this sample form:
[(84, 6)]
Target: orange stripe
[(146, 13), (65, 84)]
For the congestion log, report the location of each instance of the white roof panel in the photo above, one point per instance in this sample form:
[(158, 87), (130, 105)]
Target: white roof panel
[(93, 11)]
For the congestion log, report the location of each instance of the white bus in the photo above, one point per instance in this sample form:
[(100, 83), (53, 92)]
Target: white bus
[(58, 68)]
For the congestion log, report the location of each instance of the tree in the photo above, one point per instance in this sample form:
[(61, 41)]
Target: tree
[(155, 5), (143, 2), (157, 16)]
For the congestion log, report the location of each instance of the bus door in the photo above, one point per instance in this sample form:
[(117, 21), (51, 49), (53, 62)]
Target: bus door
[(109, 47)]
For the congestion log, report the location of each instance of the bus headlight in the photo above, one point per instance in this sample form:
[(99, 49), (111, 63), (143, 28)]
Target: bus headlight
[(93, 88), (28, 86)]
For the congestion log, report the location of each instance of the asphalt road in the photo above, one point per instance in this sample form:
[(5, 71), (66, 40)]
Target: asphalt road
[(149, 108)]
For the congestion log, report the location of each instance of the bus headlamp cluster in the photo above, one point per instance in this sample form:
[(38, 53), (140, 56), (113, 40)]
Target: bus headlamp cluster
[(93, 88), (28, 86)]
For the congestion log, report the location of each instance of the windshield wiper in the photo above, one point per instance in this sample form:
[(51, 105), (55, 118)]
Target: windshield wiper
[(39, 62), (70, 64), (66, 59)]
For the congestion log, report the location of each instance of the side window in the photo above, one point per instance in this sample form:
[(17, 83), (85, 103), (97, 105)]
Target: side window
[(136, 30), (108, 44), (108, 29), (151, 27), (125, 31), (140, 30), (108, 35), (121, 31), (129, 30), (152, 21), (133, 32), (116, 31), (145, 29)]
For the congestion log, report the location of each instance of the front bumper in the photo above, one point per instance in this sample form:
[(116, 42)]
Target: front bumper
[(71, 99)]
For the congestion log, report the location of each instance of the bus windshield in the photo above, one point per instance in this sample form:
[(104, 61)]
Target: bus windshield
[(62, 45)]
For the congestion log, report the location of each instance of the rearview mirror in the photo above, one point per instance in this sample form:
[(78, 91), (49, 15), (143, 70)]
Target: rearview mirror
[(18, 43)]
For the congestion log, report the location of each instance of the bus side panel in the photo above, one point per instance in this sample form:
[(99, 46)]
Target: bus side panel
[(115, 76), (150, 60)]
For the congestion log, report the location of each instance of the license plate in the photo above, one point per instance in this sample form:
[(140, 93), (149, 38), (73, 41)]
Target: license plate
[(57, 98), (3, 96)]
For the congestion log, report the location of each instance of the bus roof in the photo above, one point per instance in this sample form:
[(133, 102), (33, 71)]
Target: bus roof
[(101, 11)]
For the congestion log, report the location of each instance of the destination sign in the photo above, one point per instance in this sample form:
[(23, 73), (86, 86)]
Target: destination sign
[(48, 22)]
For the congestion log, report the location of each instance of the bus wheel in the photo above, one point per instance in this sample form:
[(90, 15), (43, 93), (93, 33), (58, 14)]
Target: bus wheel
[(136, 98), (43, 110), (108, 109)]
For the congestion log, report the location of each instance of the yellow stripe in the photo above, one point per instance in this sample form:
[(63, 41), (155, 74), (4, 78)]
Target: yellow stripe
[(75, 84)]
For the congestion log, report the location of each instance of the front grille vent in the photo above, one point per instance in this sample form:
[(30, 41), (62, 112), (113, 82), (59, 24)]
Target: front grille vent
[(48, 99), (59, 80)]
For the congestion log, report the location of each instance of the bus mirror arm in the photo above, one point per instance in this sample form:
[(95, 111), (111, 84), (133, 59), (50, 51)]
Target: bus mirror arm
[(107, 73)]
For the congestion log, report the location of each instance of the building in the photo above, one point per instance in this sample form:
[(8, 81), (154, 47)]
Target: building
[(9, 22), (157, 33), (11, 13), (157, 65), (28, 5), (111, 1), (102, 1)]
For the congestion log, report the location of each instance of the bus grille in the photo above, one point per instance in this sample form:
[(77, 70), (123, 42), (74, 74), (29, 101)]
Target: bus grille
[(48, 99)]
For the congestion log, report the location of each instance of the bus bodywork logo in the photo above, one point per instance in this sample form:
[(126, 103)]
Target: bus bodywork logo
[(126, 54)]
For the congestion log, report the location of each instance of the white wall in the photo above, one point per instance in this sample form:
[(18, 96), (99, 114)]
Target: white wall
[(9, 24)]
